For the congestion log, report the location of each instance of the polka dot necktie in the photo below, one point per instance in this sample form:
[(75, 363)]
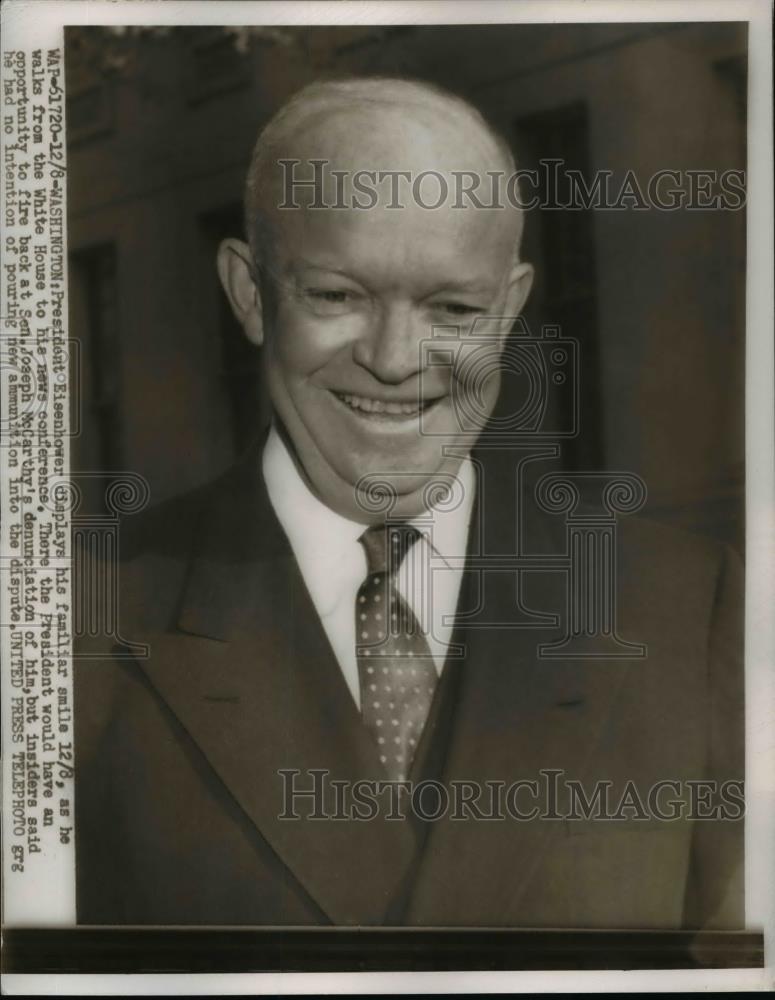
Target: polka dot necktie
[(395, 664)]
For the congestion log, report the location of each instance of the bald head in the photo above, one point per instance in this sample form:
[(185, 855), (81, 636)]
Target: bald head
[(361, 127)]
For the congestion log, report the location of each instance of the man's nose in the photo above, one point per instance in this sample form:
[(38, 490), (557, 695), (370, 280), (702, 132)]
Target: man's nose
[(391, 350)]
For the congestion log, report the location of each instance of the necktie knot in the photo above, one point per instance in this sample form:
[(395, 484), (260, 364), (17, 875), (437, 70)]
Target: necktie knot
[(386, 545)]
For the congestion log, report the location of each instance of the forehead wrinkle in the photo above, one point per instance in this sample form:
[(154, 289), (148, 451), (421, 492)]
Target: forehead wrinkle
[(378, 248)]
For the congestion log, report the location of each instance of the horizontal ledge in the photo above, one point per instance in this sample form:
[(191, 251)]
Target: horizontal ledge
[(327, 949)]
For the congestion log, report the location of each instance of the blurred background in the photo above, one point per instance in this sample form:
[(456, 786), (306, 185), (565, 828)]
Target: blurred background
[(161, 123)]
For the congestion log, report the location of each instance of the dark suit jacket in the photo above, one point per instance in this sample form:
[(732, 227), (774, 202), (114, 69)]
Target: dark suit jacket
[(178, 792)]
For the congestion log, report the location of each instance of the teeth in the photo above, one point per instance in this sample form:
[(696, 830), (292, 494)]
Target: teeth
[(378, 406)]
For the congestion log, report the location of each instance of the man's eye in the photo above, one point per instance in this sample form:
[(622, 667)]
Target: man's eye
[(459, 308), (328, 295)]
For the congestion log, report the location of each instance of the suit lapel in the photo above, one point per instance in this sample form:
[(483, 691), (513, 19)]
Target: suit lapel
[(251, 676)]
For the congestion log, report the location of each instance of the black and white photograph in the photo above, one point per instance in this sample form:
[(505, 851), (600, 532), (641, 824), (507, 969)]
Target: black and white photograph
[(409, 487)]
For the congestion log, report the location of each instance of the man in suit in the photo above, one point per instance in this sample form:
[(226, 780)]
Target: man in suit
[(311, 634)]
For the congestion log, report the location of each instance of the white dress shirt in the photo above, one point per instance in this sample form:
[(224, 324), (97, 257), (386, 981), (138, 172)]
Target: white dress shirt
[(333, 563)]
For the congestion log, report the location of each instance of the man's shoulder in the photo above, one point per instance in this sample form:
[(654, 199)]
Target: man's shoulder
[(643, 540), (684, 586), (668, 579), (169, 526), (148, 564), (678, 555)]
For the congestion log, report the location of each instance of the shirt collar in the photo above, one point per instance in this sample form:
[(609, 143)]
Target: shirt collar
[(445, 526), (326, 543)]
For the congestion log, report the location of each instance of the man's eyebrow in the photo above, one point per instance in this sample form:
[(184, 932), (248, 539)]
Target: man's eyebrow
[(475, 285), (472, 286), (312, 266)]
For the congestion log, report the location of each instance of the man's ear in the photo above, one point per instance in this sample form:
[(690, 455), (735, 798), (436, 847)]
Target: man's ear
[(519, 284), (235, 269)]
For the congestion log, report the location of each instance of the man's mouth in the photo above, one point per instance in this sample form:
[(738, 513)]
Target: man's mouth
[(384, 409)]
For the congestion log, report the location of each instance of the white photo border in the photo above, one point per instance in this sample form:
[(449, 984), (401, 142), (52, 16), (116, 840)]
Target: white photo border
[(41, 23)]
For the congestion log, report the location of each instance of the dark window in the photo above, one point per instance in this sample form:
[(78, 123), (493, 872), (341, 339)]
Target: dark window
[(94, 323), (90, 113), (560, 243), (734, 72)]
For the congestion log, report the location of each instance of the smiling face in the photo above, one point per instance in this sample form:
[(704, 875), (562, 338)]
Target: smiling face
[(350, 297)]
